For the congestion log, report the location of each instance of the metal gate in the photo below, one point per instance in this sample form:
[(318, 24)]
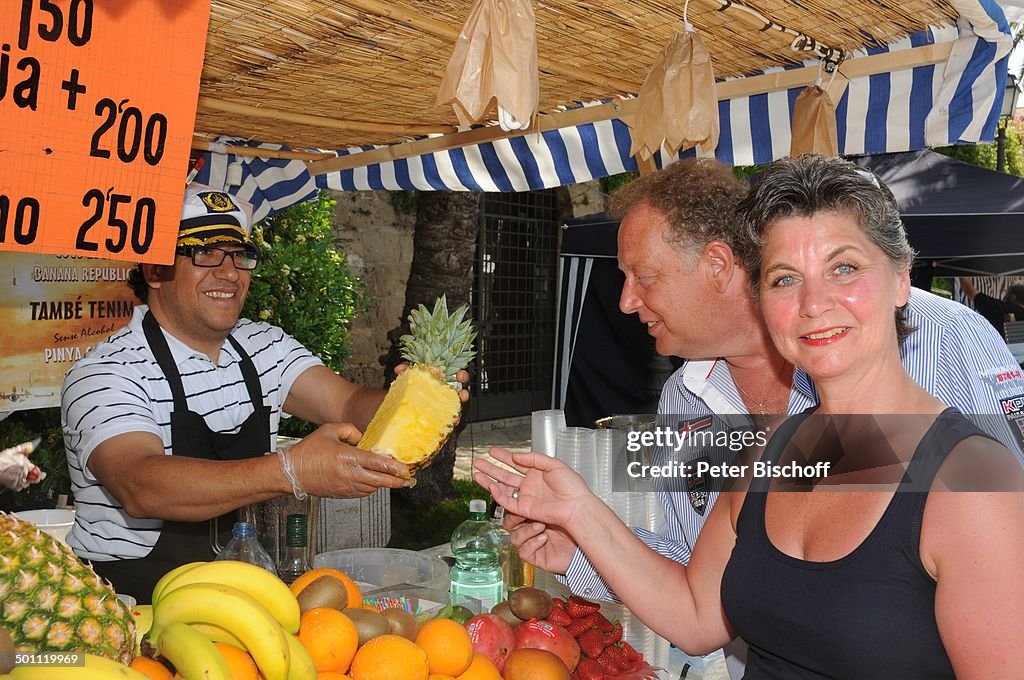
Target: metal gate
[(514, 303)]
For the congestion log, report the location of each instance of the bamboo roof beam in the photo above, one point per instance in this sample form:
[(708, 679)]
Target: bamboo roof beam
[(204, 144), (769, 82), (208, 104)]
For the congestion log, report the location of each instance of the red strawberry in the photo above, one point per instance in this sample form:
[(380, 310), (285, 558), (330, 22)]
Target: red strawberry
[(591, 643), (609, 666), (631, 653), (559, 617), (603, 624), (579, 626), (615, 634), (578, 607), (557, 603), (618, 655), (588, 669)]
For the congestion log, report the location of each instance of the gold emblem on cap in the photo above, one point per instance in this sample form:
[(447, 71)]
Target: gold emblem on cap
[(218, 201)]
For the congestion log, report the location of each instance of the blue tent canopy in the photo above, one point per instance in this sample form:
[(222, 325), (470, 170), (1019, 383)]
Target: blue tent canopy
[(952, 96)]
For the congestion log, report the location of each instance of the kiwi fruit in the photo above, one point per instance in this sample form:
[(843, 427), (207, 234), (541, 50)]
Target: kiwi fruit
[(401, 622), (530, 603), (502, 609), (6, 651), (369, 623), (325, 591)]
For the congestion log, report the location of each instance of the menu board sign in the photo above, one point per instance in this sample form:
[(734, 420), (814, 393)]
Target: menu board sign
[(55, 308), (97, 109)]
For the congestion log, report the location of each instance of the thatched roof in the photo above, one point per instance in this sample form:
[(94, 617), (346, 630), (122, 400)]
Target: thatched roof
[(368, 71)]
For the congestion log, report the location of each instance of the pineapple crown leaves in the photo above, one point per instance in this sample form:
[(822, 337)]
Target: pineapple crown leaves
[(440, 339)]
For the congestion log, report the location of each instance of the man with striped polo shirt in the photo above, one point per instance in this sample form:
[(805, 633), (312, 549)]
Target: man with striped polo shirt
[(167, 423), (679, 244)]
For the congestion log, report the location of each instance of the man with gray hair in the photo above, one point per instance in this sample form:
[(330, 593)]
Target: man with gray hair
[(685, 253)]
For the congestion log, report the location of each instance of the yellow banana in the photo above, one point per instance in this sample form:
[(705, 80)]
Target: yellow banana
[(193, 655), (143, 615), (234, 611), (302, 666), (95, 668), (158, 589), (265, 587), (218, 634)]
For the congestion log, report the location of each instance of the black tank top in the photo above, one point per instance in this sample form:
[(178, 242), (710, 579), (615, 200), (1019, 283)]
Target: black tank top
[(870, 614)]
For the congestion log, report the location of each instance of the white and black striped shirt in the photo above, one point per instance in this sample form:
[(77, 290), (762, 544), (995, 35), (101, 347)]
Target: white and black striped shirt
[(955, 354), (118, 388)]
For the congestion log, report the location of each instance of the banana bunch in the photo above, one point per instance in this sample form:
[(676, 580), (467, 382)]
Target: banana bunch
[(240, 604)]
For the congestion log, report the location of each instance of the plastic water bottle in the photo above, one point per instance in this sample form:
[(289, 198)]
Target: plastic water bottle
[(245, 547), (477, 548)]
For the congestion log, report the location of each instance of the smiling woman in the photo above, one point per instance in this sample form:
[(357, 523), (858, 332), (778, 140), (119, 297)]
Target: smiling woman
[(832, 272), (829, 295)]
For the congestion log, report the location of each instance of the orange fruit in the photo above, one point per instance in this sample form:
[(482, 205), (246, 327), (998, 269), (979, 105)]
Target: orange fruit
[(435, 676), (534, 664), (151, 668), (330, 637), (240, 664), (355, 597), (447, 644), (390, 657), (331, 675), (481, 668)]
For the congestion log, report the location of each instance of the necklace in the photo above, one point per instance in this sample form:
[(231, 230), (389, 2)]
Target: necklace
[(761, 405)]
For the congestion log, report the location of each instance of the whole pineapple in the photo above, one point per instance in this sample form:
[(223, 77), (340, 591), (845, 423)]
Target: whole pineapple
[(51, 601), (421, 409)]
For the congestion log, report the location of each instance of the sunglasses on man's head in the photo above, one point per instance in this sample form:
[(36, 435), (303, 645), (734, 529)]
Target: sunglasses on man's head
[(209, 256)]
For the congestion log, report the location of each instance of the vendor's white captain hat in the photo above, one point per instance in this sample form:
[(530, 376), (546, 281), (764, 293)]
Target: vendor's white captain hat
[(210, 216)]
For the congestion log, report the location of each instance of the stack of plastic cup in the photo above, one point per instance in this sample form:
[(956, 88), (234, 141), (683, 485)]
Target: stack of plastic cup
[(544, 429), (575, 447), (606, 444)]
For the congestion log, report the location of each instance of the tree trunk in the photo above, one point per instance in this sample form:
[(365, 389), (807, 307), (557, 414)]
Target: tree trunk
[(444, 249)]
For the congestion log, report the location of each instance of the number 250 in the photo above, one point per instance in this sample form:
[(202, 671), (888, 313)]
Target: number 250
[(142, 222)]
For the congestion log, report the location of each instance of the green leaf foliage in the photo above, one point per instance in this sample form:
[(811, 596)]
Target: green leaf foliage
[(304, 285), (984, 155), (23, 426)]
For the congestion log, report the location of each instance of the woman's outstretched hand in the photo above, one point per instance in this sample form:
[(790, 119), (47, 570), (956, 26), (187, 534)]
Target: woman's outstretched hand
[(546, 489)]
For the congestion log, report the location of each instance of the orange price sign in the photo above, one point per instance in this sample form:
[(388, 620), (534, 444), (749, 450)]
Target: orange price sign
[(97, 109)]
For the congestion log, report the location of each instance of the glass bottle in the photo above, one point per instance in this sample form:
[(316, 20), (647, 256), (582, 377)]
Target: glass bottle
[(294, 563), (477, 547), (515, 572), (245, 547)]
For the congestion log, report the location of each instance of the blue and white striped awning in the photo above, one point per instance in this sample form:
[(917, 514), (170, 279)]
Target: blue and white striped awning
[(932, 105)]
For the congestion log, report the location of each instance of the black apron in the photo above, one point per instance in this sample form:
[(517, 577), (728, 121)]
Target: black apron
[(183, 542)]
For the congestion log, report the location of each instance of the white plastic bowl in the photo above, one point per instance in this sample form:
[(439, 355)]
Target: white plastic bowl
[(383, 567), (55, 522)]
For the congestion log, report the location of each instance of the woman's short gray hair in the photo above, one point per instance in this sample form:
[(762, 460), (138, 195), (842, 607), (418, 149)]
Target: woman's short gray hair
[(810, 184)]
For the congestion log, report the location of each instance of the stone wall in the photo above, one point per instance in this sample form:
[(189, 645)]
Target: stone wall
[(377, 238), (587, 199)]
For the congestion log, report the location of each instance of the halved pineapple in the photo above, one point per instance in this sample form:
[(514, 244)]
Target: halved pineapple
[(421, 409)]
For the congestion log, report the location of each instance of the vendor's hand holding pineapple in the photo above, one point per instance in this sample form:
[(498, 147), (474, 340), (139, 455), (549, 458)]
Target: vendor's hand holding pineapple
[(327, 464)]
